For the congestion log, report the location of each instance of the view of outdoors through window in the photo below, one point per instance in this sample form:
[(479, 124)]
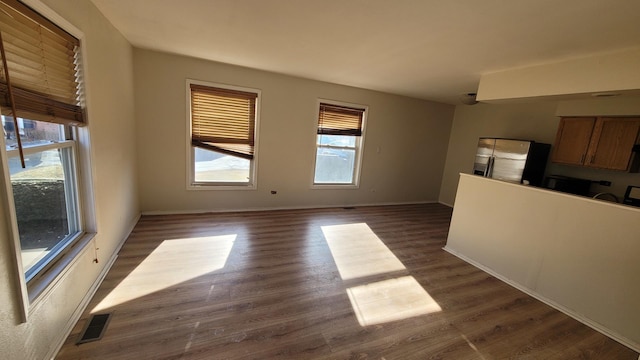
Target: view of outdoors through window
[(219, 167), (44, 191), (335, 159)]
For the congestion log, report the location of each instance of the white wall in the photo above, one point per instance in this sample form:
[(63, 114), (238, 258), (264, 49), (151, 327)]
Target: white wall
[(411, 134), (612, 72), (535, 120), (607, 106), (577, 254), (111, 126)]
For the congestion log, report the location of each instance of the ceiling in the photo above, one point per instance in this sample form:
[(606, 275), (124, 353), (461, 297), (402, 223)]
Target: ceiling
[(428, 49)]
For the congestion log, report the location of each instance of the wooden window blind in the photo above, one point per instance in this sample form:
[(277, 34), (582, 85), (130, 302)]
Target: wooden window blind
[(41, 67), (339, 120), (223, 120)]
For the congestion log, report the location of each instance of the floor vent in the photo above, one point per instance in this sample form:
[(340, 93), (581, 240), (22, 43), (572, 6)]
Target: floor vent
[(95, 328)]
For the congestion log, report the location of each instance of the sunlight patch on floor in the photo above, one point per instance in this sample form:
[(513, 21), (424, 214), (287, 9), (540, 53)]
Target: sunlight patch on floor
[(390, 300), (358, 252), (172, 262)]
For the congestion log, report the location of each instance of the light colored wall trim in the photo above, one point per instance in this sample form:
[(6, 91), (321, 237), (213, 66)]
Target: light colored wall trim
[(601, 329), (13, 233), (172, 212), (64, 333)]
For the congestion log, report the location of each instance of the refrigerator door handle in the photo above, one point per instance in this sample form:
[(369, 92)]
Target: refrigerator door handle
[(489, 171)]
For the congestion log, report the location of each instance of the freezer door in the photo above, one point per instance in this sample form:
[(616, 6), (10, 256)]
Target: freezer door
[(510, 157), (483, 156)]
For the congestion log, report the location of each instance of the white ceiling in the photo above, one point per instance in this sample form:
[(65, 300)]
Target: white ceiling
[(429, 49)]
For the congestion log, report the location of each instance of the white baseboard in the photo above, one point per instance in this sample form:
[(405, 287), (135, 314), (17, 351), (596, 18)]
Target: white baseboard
[(579, 317), (64, 334), (274, 208)]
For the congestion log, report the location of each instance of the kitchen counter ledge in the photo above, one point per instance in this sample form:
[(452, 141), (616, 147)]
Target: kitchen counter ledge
[(577, 254)]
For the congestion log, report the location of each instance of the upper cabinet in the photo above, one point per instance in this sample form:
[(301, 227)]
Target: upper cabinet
[(612, 143), (572, 140), (597, 142)]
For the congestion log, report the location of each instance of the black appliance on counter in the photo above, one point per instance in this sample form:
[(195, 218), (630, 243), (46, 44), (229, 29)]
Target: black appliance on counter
[(519, 161), (568, 184), (632, 196)]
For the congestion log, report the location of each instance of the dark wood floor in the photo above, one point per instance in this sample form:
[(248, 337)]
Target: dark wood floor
[(363, 283)]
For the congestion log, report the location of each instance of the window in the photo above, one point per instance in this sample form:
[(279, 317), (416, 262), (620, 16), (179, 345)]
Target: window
[(223, 122), (44, 191), (40, 106), (339, 144)]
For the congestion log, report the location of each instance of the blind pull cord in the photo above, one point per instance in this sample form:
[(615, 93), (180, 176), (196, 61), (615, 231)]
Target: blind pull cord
[(13, 104)]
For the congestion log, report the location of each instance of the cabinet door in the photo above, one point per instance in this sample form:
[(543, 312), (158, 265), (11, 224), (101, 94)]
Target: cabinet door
[(612, 143), (572, 140)]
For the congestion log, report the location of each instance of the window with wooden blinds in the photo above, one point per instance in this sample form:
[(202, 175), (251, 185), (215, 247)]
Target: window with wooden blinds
[(339, 144), (340, 120), (40, 78), (223, 120)]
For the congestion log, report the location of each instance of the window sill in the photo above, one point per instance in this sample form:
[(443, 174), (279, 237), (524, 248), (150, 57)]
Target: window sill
[(199, 187), (39, 289), (334, 187)]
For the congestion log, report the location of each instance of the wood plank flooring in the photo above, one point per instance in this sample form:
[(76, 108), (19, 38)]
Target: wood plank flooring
[(363, 283)]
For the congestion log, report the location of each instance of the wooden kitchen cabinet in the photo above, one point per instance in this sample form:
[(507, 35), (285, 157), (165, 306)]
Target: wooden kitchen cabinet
[(572, 140), (602, 142), (612, 143)]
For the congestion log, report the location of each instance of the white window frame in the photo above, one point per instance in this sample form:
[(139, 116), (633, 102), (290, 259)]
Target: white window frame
[(192, 184), (35, 291), (40, 279), (72, 200), (359, 147)]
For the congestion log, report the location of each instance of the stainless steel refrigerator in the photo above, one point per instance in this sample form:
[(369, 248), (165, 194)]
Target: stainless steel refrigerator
[(518, 161)]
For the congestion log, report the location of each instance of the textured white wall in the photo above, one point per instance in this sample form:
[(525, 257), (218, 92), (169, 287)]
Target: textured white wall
[(411, 136), (111, 127)]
